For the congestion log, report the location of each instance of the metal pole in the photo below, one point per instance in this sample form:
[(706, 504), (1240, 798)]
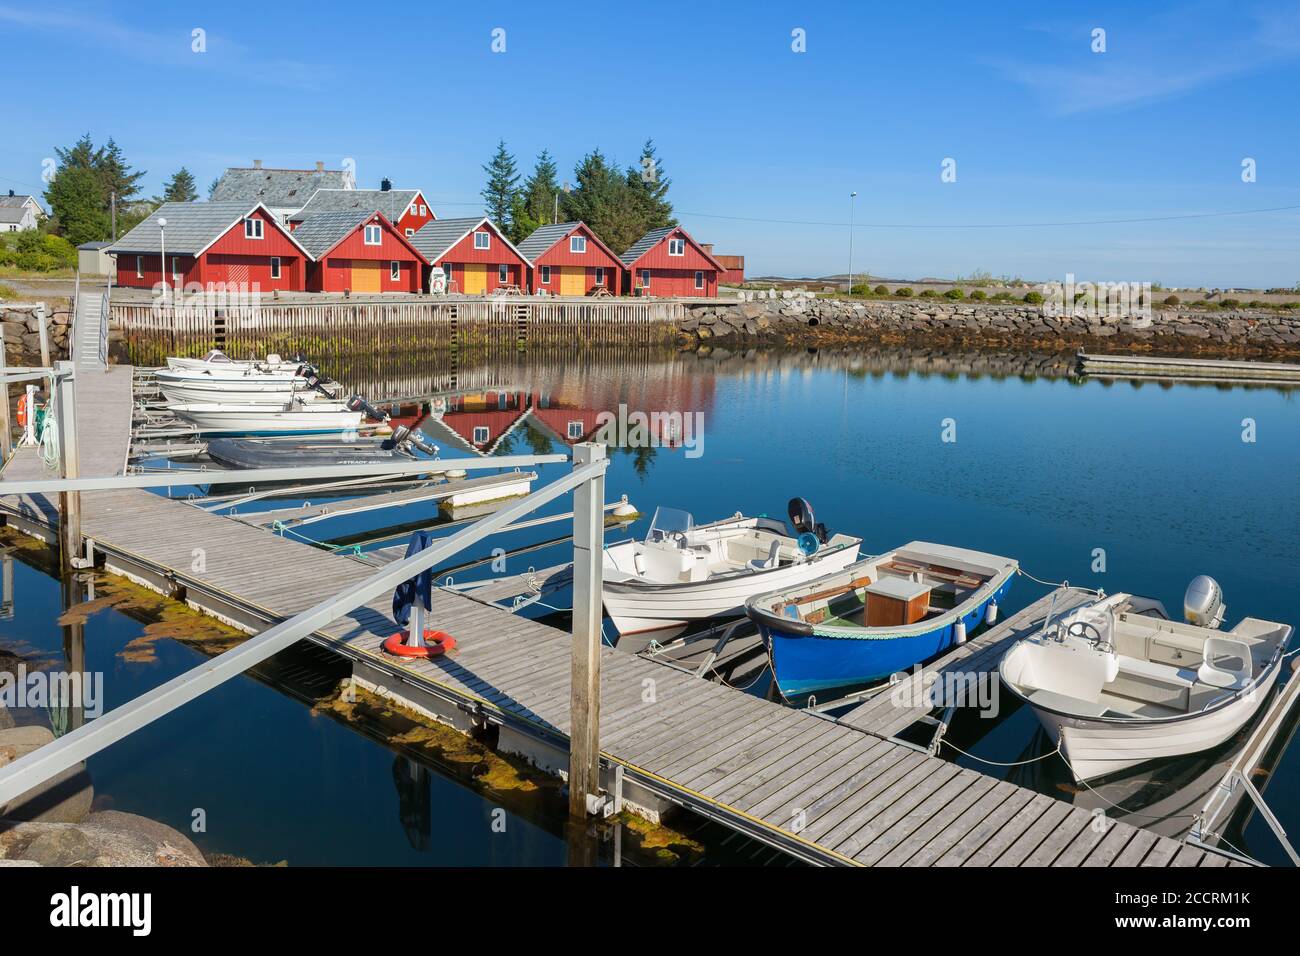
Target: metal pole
[(852, 197), (6, 436), (41, 327), (162, 249), (69, 501), (584, 676)]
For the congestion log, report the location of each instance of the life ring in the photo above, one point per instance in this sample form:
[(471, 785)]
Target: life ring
[(22, 410), (436, 643)]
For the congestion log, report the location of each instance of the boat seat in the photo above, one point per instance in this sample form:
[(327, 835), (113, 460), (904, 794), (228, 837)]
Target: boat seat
[(772, 560), (1066, 703), (1227, 663)]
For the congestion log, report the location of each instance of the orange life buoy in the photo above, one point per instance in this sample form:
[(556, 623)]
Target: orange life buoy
[(22, 410), (436, 643)]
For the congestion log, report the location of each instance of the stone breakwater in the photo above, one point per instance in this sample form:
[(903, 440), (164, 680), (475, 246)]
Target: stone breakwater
[(821, 321), (20, 326)]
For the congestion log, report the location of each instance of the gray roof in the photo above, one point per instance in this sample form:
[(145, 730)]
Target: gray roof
[(645, 244), (436, 236), (320, 233), (6, 200), (191, 226), (94, 245), (544, 237), (277, 188), (391, 202), (12, 213)]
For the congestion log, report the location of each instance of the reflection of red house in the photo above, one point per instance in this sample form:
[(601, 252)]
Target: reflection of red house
[(569, 425), (359, 251), (211, 244), (569, 259), (668, 262), (479, 420)]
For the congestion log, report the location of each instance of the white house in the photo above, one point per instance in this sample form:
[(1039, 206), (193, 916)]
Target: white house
[(19, 212)]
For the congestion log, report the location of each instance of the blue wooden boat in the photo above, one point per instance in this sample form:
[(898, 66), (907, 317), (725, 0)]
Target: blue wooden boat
[(879, 615)]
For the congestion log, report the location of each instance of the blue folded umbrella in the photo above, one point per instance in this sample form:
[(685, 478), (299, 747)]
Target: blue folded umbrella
[(420, 586)]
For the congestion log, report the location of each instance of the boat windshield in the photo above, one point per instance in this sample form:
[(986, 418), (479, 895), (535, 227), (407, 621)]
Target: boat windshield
[(669, 523)]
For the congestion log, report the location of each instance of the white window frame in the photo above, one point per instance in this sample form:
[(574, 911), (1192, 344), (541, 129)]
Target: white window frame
[(394, 271), (575, 430), (578, 244), (699, 278), (679, 244), (275, 267), (424, 210), (600, 275), (409, 232), (546, 275), (378, 234), (487, 433), (645, 278), (254, 228), (139, 267), (486, 237), (176, 274), (503, 274)]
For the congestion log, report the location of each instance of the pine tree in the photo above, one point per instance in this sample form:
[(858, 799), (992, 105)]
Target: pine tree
[(499, 193), (540, 190), (76, 202), (115, 172), (181, 187), (604, 201), (649, 184)]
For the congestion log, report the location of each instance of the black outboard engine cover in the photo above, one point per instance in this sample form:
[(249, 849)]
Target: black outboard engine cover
[(358, 404), (803, 520)]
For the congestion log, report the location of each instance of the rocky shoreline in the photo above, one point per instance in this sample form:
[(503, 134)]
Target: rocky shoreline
[(806, 320)]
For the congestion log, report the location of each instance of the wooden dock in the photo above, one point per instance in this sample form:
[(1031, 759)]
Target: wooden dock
[(823, 791)]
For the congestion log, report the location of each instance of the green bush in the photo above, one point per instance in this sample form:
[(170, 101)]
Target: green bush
[(928, 294), (1034, 298), (8, 292), (954, 294), (860, 290), (1172, 300), (881, 290), (904, 293), (978, 294), (1231, 303), (1001, 297)]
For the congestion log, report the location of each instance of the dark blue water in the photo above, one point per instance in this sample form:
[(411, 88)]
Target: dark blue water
[(1156, 481)]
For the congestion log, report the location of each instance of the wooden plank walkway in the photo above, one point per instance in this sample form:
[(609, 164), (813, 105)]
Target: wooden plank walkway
[(821, 790)]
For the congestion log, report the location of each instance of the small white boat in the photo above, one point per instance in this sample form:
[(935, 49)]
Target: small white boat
[(237, 393), (293, 418), (684, 572), (1118, 683), (216, 359), (246, 378)]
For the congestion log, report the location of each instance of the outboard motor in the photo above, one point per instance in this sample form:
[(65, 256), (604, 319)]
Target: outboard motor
[(311, 375), (403, 435), (1203, 603), (358, 404), (803, 521)]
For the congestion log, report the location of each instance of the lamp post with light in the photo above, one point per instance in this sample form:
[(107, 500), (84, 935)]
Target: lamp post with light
[(162, 249), (852, 197)]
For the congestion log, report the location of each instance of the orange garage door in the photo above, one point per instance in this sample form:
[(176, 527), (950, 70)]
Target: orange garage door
[(573, 280), (365, 275), (475, 278)]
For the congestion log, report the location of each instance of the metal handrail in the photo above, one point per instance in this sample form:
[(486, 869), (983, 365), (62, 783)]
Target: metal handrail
[(84, 742)]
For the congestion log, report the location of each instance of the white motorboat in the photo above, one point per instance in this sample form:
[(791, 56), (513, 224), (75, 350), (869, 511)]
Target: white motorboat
[(1118, 683), (683, 572), (235, 392), (216, 359), (295, 417)]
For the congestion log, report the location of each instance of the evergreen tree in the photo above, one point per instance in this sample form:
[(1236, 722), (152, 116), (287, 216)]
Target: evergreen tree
[(540, 190), (76, 201), (604, 201), (180, 188), (499, 193), (115, 172), (649, 184), (212, 186)]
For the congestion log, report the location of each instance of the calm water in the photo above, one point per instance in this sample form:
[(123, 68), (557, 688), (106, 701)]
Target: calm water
[(1157, 481)]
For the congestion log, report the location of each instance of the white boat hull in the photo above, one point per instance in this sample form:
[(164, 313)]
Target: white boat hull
[(1095, 748), (316, 417), (660, 613), (234, 393)]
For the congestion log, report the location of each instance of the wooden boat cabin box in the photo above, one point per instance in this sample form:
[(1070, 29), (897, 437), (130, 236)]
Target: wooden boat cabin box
[(892, 601)]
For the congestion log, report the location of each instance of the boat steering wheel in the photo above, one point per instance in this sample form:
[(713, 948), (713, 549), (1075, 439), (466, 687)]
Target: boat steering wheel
[(1088, 632)]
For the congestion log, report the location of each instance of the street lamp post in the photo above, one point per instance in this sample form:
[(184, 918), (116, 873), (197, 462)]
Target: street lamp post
[(852, 197), (162, 253)]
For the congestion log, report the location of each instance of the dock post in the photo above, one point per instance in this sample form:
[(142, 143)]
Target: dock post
[(69, 501), (6, 433), (42, 327), (584, 677)]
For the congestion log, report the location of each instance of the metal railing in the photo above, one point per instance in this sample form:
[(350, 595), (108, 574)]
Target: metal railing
[(586, 481)]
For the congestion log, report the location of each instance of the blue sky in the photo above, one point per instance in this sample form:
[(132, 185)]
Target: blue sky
[(763, 144)]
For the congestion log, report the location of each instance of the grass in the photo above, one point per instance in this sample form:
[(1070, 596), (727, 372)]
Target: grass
[(7, 292)]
